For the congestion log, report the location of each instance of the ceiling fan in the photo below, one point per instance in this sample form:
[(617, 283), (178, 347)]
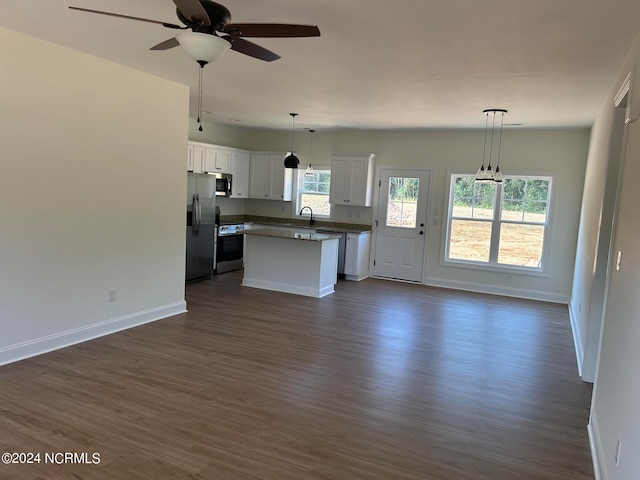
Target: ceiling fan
[(206, 20), (205, 17)]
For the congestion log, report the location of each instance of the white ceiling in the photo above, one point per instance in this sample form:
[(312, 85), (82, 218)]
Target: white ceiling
[(376, 65)]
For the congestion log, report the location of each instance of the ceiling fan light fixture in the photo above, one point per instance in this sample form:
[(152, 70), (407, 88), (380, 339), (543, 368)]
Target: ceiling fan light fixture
[(203, 47)]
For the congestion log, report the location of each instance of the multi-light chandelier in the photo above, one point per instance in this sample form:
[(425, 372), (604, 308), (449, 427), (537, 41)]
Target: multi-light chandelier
[(488, 174)]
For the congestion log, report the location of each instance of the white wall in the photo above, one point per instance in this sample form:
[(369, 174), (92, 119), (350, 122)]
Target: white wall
[(92, 188), (615, 411), (562, 153)]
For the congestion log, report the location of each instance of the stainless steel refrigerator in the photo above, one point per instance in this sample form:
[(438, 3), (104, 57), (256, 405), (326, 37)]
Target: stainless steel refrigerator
[(201, 198)]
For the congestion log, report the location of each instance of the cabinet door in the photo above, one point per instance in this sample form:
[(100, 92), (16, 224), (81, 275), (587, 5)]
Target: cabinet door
[(240, 172), (339, 178), (357, 188), (223, 161), (195, 158), (259, 170), (217, 160), (351, 255), (356, 256), (276, 177)]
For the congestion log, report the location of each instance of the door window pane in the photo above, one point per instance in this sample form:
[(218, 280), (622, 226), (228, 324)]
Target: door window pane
[(402, 202), (470, 240), (521, 245)]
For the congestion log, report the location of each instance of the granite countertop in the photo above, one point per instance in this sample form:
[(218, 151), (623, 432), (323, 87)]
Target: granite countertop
[(317, 226), (291, 235), (323, 225)]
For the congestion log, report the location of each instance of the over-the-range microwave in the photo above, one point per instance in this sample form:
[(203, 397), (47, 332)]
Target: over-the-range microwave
[(223, 184)]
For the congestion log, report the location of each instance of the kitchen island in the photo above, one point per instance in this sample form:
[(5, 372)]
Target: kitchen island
[(301, 263)]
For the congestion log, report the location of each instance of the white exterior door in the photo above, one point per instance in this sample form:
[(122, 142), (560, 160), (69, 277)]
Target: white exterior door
[(402, 224)]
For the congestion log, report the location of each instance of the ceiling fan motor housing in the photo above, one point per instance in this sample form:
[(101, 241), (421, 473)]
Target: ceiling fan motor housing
[(218, 14)]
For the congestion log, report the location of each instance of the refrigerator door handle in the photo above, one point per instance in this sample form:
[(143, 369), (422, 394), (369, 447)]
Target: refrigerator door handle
[(199, 207), (194, 215)]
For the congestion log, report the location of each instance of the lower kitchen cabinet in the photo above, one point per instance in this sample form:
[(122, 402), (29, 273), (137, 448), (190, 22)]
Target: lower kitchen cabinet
[(356, 257)]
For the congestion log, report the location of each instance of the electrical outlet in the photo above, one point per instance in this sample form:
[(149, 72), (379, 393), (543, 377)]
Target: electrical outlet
[(618, 447), (112, 295)]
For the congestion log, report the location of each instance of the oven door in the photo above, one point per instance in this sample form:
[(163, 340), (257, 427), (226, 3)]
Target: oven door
[(229, 251)]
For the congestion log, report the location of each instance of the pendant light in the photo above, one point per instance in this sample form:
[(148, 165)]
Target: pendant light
[(291, 161), (488, 174), (309, 172)]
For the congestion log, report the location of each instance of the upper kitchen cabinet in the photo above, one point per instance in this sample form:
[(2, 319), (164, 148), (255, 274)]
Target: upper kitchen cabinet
[(195, 157), (268, 179), (240, 174), (352, 179), (217, 159)]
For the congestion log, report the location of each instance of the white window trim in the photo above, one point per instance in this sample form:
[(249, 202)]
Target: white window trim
[(300, 173), (496, 267)]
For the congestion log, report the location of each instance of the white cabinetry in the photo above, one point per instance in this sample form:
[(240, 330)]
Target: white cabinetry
[(268, 179), (356, 257), (195, 157), (352, 179), (217, 159), (240, 174)]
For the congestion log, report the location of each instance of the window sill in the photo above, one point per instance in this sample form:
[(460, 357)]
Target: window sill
[(513, 270)]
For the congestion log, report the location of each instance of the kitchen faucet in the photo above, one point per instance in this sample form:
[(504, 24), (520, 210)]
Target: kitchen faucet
[(311, 220)]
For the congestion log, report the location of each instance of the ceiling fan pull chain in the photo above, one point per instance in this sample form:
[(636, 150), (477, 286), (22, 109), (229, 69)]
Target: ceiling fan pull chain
[(200, 76)]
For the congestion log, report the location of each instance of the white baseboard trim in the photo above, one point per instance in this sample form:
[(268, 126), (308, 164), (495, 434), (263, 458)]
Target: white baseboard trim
[(596, 448), (577, 341), (288, 288), (38, 346), (497, 290)]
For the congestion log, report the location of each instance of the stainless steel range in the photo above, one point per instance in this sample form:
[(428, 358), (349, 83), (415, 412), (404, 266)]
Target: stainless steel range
[(229, 247)]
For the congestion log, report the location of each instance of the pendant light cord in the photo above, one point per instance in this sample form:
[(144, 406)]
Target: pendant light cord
[(500, 141), (484, 147), (293, 129)]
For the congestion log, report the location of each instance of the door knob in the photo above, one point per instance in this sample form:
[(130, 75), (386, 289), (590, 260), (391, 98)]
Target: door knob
[(422, 224), (421, 232)]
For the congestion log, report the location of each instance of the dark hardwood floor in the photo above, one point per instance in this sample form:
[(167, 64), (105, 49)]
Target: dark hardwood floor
[(379, 381)]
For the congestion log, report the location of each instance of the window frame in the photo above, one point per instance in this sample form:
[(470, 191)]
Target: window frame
[(496, 222), (298, 194)]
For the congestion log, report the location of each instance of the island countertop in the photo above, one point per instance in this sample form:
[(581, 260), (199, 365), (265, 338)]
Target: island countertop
[(292, 235)]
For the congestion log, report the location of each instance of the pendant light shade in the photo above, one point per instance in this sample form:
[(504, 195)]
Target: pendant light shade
[(309, 172), (291, 161), (491, 144)]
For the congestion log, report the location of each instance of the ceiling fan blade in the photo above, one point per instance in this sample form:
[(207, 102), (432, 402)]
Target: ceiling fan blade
[(194, 11), (246, 47), (166, 45), (271, 30), (129, 17)]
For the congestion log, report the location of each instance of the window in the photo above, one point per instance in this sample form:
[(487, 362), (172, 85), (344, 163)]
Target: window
[(498, 224), (313, 191)]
